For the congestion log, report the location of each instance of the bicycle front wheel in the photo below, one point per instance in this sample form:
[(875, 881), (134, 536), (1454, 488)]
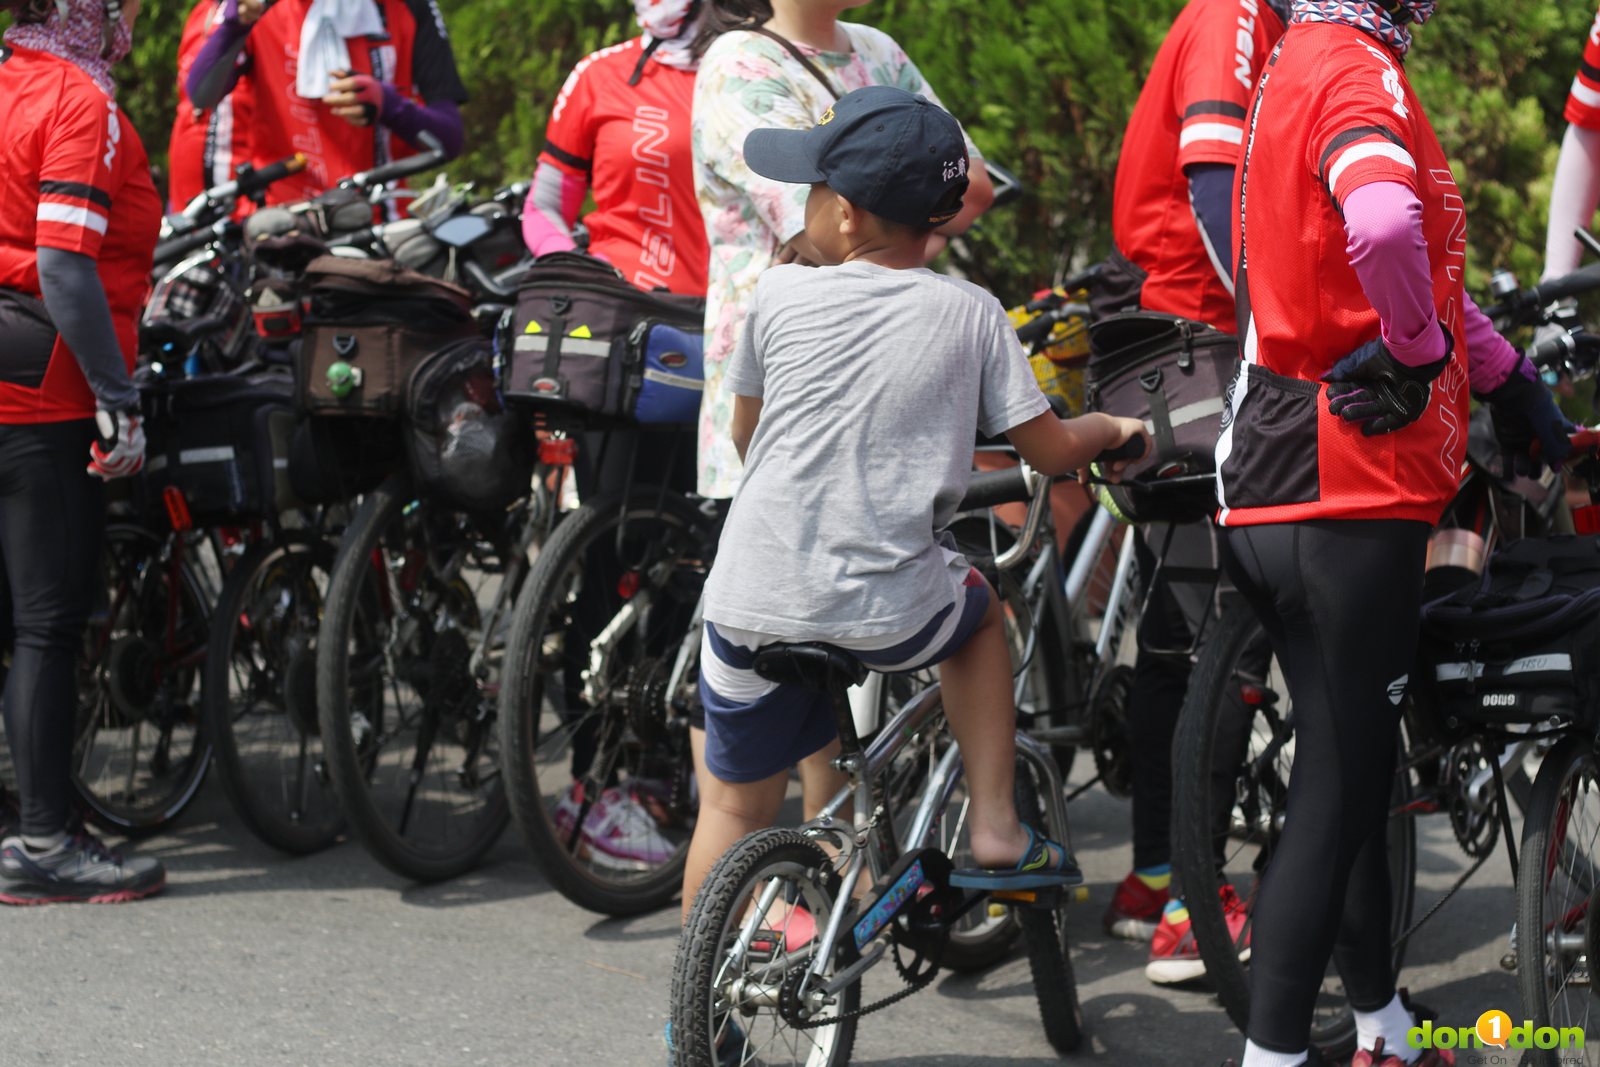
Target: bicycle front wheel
[(1232, 757), (597, 750), (1558, 928), (408, 682), (261, 696), (141, 753), (736, 956)]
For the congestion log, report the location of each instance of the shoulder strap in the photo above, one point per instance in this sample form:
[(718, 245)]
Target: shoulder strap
[(794, 50)]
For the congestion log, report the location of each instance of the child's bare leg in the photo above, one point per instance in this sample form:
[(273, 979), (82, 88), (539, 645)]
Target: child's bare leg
[(977, 700), (819, 782), (728, 811)]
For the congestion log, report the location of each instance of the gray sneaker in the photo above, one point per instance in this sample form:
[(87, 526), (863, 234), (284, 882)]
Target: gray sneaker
[(81, 868)]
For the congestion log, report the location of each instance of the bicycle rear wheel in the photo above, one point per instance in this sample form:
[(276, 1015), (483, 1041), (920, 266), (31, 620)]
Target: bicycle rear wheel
[(597, 753), (261, 695), (141, 752), (1044, 934), (734, 959), (408, 681), (1232, 756), (1557, 882)]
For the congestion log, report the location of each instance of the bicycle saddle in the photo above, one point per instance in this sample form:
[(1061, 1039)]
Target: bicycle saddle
[(821, 667)]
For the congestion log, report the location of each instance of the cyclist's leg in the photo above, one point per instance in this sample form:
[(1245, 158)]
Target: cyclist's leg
[(1340, 600), (52, 524)]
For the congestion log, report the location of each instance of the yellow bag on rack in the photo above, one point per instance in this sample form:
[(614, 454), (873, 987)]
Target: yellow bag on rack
[(1058, 365)]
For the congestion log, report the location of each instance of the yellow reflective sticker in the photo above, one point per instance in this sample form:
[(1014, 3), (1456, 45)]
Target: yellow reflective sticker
[(534, 327), (581, 331)]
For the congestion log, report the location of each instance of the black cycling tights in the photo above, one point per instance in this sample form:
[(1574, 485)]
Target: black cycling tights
[(52, 523), (1340, 601)]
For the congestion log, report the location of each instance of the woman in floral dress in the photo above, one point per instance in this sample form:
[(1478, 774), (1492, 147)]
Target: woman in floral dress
[(748, 80)]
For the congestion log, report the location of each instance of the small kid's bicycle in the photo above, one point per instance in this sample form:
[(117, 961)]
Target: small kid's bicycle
[(750, 985)]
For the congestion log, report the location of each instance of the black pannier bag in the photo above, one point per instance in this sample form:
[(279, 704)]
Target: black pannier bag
[(565, 347), (368, 323), (465, 447), (1522, 644), (333, 458), (1172, 374), (223, 441)]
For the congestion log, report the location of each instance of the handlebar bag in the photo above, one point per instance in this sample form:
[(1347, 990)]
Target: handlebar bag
[(379, 319), (1172, 373), (223, 440), (465, 446), (569, 347), (1522, 644)]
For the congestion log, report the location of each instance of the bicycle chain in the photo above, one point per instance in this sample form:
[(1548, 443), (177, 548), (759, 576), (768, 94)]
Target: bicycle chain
[(788, 999)]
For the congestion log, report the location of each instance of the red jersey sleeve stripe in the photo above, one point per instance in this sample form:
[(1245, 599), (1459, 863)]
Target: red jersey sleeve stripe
[(76, 191), (1583, 94), (72, 216), (1214, 107), (1225, 132), (558, 154), (1349, 137)]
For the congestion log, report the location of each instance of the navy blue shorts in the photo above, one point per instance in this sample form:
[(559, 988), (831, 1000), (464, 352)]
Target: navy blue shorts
[(756, 728)]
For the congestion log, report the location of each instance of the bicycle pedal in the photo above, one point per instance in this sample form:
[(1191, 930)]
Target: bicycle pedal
[(1036, 898), (917, 875)]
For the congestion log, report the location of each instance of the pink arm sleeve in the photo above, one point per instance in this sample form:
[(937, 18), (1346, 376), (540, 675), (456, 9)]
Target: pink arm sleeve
[(1383, 221), (552, 209), (1573, 195)]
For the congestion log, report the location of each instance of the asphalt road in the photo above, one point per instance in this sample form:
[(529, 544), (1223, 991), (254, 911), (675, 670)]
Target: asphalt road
[(253, 959)]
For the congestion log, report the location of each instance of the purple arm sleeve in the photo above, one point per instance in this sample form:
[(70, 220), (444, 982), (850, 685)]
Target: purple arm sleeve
[(1383, 221), (441, 118), (215, 70)]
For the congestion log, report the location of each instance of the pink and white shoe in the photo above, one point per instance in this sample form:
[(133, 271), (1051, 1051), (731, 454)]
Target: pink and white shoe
[(617, 833)]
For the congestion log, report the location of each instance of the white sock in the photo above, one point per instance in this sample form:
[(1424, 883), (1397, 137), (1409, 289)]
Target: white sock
[(1256, 1056), (1389, 1022), (44, 843)]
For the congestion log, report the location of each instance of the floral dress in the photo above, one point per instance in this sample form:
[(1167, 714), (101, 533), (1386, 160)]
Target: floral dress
[(748, 81)]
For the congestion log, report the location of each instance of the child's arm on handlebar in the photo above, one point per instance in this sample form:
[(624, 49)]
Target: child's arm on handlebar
[(1056, 446)]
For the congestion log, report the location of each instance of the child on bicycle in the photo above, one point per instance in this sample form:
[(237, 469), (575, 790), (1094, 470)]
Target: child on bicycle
[(858, 386)]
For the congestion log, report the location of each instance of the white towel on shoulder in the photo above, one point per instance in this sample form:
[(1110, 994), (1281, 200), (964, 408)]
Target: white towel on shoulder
[(322, 47)]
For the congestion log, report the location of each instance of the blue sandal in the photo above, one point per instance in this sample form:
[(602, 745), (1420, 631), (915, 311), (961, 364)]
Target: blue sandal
[(1033, 870)]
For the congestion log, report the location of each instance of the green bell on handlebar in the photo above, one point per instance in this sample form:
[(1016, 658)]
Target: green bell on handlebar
[(342, 378)]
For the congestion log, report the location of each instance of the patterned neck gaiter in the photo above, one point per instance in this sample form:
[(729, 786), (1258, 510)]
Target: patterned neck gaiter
[(1388, 26)]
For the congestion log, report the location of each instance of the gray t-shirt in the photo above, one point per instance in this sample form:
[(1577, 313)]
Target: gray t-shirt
[(872, 381)]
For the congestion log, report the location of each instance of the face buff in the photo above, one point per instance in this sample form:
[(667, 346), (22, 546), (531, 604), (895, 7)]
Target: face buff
[(75, 31), (663, 21), (1388, 26)]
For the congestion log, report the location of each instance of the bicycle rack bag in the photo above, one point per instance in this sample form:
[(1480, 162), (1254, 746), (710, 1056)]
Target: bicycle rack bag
[(1173, 374), (465, 446), (223, 440), (1522, 644), (377, 319), (584, 344)]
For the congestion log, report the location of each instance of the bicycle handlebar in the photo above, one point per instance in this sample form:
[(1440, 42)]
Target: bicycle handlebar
[(172, 249), (989, 489), (402, 168)]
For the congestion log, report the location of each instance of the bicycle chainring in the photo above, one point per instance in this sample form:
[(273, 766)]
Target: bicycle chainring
[(647, 699), (1476, 830), (1108, 709)]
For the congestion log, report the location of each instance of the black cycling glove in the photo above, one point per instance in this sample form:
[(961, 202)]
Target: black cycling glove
[(1524, 412), (1373, 388)]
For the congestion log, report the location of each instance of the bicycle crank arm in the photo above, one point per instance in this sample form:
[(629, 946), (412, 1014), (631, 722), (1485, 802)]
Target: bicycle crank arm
[(854, 972)]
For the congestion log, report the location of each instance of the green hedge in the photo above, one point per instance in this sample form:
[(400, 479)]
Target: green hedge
[(1044, 86)]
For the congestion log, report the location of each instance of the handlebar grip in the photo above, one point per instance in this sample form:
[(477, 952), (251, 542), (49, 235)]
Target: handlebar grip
[(272, 172), (1132, 448), (989, 489), (169, 250), (1582, 280), (403, 168)]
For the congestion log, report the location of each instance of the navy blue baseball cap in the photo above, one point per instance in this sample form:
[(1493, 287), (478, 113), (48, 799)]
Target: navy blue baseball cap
[(883, 149)]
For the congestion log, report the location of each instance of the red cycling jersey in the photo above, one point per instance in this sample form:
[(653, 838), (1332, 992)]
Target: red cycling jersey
[(1191, 110), (1583, 101), (632, 143), (412, 55), (207, 147), (74, 176), (1334, 111)]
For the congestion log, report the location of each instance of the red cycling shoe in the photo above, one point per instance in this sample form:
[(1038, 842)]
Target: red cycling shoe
[(1135, 910)]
